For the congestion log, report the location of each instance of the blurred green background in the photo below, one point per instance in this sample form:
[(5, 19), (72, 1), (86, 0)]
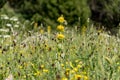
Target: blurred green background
[(76, 12)]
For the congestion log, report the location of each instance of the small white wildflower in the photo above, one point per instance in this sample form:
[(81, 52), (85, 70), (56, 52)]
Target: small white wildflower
[(17, 22), (115, 50), (6, 36), (4, 17), (65, 22), (16, 25), (14, 19), (10, 77), (60, 46), (0, 35), (88, 20), (105, 35), (4, 30), (8, 25)]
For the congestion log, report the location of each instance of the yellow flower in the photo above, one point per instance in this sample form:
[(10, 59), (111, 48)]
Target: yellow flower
[(61, 19), (67, 71), (60, 27), (75, 69), (20, 67), (45, 70), (72, 71), (60, 36), (119, 68), (64, 79), (42, 66), (76, 61), (41, 31), (49, 29), (84, 29), (85, 77), (62, 65), (78, 77), (37, 73), (35, 25), (79, 66)]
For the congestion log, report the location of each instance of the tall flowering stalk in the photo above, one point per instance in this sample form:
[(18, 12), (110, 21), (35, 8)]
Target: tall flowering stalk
[(60, 37), (60, 28)]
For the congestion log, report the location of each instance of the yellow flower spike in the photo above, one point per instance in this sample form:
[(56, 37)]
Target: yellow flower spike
[(41, 31), (35, 25), (49, 29), (60, 28), (84, 29), (60, 36), (61, 19)]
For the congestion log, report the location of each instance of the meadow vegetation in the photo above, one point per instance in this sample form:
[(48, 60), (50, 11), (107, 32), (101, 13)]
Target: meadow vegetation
[(41, 53)]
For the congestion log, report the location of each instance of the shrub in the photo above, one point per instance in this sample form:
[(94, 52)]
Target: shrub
[(48, 10), (106, 12), (2, 2)]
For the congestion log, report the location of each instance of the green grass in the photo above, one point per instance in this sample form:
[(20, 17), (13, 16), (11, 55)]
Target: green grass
[(32, 55)]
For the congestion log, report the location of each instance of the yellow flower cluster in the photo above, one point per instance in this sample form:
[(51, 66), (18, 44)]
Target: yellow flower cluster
[(64, 79), (60, 36), (37, 73), (84, 29), (49, 29), (79, 77), (60, 28), (61, 19)]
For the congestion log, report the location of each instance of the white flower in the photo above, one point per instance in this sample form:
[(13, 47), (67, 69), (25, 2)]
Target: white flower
[(10, 77), (4, 30), (8, 25), (4, 17), (6, 36), (17, 22), (14, 19), (16, 25)]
